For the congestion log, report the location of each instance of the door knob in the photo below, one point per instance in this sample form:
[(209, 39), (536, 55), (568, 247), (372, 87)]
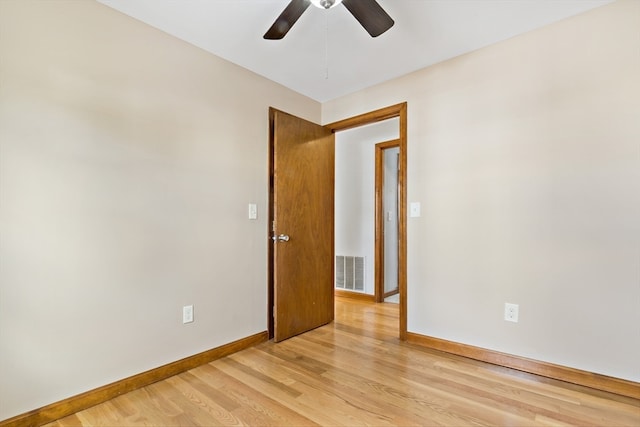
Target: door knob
[(280, 238)]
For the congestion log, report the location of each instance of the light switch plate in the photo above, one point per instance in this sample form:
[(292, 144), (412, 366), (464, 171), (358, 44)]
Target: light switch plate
[(414, 209), (253, 211), (187, 314)]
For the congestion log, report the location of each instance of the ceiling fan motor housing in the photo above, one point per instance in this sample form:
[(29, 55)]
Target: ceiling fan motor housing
[(326, 4)]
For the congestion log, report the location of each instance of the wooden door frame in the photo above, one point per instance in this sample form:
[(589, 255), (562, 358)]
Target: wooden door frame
[(379, 264), (270, 230), (393, 111)]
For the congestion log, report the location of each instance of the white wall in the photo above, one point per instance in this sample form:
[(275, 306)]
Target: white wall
[(526, 158), (127, 160), (355, 192)]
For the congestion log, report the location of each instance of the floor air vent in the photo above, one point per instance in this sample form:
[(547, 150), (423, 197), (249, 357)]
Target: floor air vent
[(350, 272)]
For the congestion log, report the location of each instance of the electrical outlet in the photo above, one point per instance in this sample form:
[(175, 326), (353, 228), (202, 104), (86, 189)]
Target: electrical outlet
[(511, 312), (187, 314)]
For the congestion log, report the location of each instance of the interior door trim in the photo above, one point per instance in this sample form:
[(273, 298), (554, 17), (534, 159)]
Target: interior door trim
[(400, 111)]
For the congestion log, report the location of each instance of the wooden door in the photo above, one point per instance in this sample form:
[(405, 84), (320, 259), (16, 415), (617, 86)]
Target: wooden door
[(302, 211)]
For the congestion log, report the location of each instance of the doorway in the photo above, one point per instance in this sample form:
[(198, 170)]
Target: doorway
[(274, 284), (358, 193), (399, 111)]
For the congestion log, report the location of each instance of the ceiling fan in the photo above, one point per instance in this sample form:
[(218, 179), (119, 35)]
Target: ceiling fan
[(368, 13)]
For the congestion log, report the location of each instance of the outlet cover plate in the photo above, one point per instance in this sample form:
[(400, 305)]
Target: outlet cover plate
[(511, 312)]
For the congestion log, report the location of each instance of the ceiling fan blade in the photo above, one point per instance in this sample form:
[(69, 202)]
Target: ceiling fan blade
[(370, 15), (287, 18)]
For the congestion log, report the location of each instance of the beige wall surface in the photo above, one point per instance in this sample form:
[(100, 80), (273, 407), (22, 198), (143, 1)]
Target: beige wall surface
[(525, 156), (127, 160)]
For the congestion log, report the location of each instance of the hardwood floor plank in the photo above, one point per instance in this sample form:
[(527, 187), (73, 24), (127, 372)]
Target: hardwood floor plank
[(355, 371), (276, 382), (311, 385), (575, 407), (214, 405), (188, 381), (70, 421), (316, 414), (249, 398), (388, 388), (500, 393), (474, 392)]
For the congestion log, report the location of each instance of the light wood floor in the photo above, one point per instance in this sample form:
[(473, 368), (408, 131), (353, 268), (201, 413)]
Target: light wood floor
[(356, 372)]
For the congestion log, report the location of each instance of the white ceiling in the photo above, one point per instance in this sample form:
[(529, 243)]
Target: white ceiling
[(328, 54)]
